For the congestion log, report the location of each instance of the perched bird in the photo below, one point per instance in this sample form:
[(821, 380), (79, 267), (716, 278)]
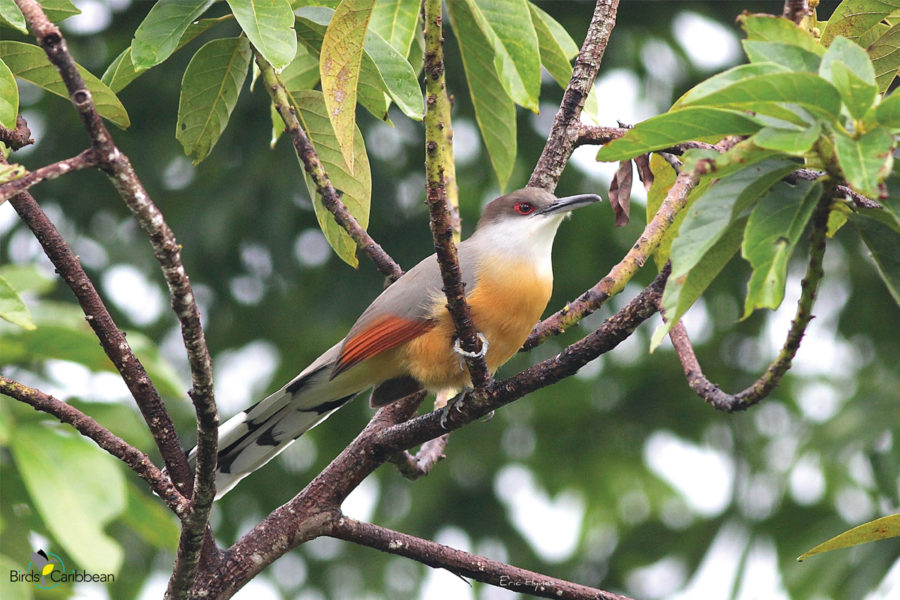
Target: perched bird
[(404, 340)]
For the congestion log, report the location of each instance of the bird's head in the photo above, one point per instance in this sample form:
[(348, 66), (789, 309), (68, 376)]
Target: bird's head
[(529, 211)]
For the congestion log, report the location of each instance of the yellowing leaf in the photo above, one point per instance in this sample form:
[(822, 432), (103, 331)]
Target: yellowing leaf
[(879, 529)]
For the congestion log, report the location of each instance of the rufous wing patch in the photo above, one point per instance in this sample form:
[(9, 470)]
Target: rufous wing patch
[(382, 335)]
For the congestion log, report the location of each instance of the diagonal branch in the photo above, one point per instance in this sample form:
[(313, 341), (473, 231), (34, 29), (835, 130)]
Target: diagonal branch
[(330, 198), (441, 224), (462, 563), (87, 159), (136, 460), (566, 125), (762, 387)]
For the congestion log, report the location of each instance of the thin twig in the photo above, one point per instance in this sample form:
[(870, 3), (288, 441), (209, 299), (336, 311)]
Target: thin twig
[(463, 563), (588, 135), (762, 387), (310, 159), (85, 160), (18, 137), (136, 460), (566, 125), (441, 225)]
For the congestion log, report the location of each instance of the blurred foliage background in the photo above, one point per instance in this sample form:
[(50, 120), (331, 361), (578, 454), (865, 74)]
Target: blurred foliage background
[(617, 478)]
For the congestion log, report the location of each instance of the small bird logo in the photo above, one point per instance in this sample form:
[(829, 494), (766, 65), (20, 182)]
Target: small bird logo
[(42, 563)]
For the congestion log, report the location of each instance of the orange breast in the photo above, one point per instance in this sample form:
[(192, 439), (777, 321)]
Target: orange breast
[(506, 303)]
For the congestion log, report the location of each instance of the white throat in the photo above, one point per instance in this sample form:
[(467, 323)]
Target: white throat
[(528, 239)]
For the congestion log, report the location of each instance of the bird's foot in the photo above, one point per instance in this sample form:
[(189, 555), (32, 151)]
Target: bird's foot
[(455, 403), (463, 354)]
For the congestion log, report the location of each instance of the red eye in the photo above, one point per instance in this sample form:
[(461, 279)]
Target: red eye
[(524, 208)]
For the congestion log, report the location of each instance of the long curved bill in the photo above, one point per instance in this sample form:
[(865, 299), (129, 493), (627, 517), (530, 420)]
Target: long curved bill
[(570, 203)]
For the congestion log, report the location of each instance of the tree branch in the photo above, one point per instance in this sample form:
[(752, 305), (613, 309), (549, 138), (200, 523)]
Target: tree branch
[(441, 225), (566, 124), (762, 387), (167, 252), (796, 10), (310, 159), (136, 460), (463, 563), (16, 138), (85, 160)]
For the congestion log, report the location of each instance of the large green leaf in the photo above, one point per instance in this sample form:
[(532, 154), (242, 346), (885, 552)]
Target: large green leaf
[(494, 109), (879, 529), (790, 141), (395, 21), (885, 55), (705, 239), (355, 182), (12, 308), (209, 91), (727, 78), (848, 67), (882, 243), (675, 127), (76, 488), (556, 45), (792, 57), (768, 94), (29, 62), (311, 24), (852, 18), (866, 161), (775, 226), (888, 112), (508, 25), (59, 10), (398, 75), (122, 71), (10, 14), (158, 35), (269, 24), (768, 28), (339, 63), (9, 97)]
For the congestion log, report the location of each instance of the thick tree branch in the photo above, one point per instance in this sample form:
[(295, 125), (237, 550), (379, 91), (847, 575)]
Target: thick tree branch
[(18, 137), (85, 160), (136, 460), (762, 387), (566, 124), (463, 563), (310, 159), (168, 253), (441, 224)]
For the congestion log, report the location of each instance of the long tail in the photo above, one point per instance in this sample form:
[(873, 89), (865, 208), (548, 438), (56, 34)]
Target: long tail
[(252, 438)]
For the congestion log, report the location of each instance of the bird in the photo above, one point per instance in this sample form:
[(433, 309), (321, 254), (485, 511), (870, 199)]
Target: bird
[(405, 341)]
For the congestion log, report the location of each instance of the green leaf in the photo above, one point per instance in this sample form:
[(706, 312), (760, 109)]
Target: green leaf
[(400, 79), (311, 24), (768, 94), (29, 62), (790, 141), (867, 161), (122, 71), (269, 24), (556, 46), (879, 529), (675, 127), (395, 21), (303, 72), (768, 28), (9, 97), (209, 91), (848, 67), (27, 277), (11, 15), (698, 253), (76, 488), (888, 112), (339, 63), (150, 520), (852, 18), (663, 179), (59, 10), (12, 308), (885, 55), (776, 224), (355, 182), (727, 78), (882, 243), (792, 57), (158, 34), (508, 25), (495, 111)]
